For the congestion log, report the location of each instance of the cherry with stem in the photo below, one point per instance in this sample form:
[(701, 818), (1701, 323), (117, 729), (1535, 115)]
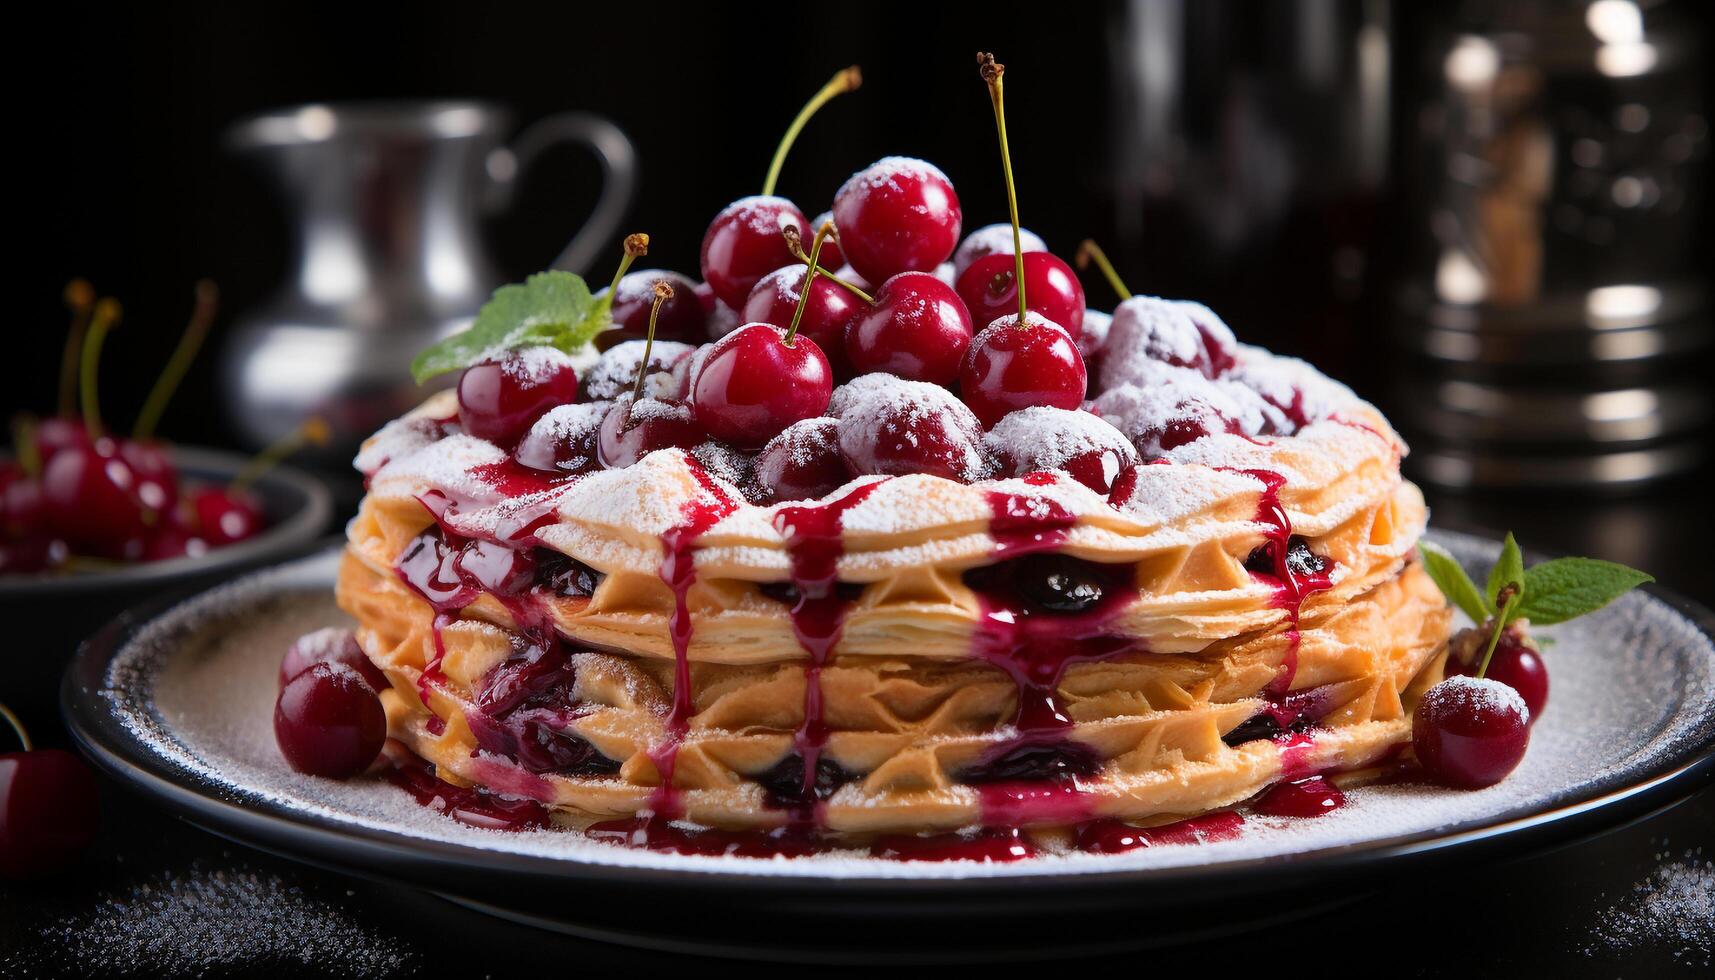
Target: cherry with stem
[(845, 80), (80, 299), (196, 330), (624, 439), (663, 292)]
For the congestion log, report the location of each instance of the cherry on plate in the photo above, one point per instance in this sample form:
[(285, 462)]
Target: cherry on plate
[(1515, 664), (330, 645), (329, 722), (1470, 733)]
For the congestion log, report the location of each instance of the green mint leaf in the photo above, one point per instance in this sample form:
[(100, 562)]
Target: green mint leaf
[(1563, 588), (1449, 576), (1509, 569), (552, 308)]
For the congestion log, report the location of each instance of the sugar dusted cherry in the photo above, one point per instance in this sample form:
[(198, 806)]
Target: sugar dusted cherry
[(802, 462), (328, 721), (893, 427), (756, 381), (745, 243), (1470, 733), (682, 316), (832, 257), (1516, 663), (993, 239), (330, 645), (1013, 365), (1032, 440), (917, 329), (632, 430), (826, 311), (564, 440), (499, 399), (615, 373), (897, 215)]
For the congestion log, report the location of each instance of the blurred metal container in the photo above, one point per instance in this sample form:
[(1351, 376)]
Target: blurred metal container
[(1554, 319)]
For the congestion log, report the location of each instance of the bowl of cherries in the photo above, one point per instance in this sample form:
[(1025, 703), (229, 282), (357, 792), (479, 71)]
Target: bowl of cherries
[(93, 520)]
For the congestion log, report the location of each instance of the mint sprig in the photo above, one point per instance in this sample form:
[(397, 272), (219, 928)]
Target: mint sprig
[(553, 309), (1550, 592)]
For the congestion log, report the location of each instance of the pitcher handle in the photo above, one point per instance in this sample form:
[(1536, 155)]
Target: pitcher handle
[(611, 147)]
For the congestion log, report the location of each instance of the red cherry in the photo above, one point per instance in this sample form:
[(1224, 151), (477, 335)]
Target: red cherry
[(226, 516), (1012, 366), (499, 399), (23, 512), (630, 432), (616, 372), (57, 433), (826, 312), (334, 646), (1470, 733), (30, 554), (744, 243), (990, 290), (1514, 664), (90, 495), (832, 257), (1085, 446), (329, 722), (157, 480), (49, 811), (993, 240), (802, 462), (918, 329), (173, 540), (682, 315), (706, 296), (893, 427), (752, 384), (897, 215), (564, 440)]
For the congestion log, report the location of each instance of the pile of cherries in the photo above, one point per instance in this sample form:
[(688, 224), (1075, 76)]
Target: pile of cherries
[(917, 354), (72, 491)]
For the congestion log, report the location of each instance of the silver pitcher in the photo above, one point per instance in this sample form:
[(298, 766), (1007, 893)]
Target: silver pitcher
[(385, 199)]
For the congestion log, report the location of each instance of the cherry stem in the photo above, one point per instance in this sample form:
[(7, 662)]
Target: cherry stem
[(105, 318), (663, 293), (636, 246), (314, 431), (795, 244), (810, 274), (17, 726), (845, 80), (1089, 251), (202, 317), (991, 72), (24, 438), (1501, 599), (80, 298)]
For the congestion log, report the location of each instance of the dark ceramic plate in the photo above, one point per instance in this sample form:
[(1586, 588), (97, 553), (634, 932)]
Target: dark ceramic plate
[(179, 708)]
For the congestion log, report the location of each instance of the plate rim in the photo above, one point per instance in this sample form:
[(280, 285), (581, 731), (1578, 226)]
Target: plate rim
[(380, 853)]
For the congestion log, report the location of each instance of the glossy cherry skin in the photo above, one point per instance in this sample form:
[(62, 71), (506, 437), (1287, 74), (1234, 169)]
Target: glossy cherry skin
[(1470, 733), (893, 427), (826, 313), (752, 384), (897, 215), (802, 462), (330, 646), (90, 496), (564, 440), (49, 811), (832, 257), (23, 512), (172, 539), (59, 432), (328, 722), (628, 435), (1012, 366), (224, 516), (500, 399), (682, 315), (989, 289), (1514, 664), (157, 480), (745, 243), (918, 329)]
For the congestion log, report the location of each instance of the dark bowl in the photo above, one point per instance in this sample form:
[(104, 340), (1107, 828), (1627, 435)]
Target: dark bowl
[(44, 617)]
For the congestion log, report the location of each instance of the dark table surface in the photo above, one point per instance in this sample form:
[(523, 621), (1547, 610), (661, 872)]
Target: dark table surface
[(156, 897)]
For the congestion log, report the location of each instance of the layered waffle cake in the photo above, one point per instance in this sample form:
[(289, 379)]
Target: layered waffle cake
[(917, 555), (1196, 586)]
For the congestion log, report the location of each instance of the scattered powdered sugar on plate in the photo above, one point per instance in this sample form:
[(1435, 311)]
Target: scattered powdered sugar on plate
[(1674, 907), (1634, 693), (216, 917)]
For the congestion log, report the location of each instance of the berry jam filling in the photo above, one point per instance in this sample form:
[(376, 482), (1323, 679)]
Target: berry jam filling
[(564, 575), (787, 789), (471, 806), (1061, 760), (1115, 836), (525, 706), (787, 594), (1313, 796), (1285, 714), (1300, 560)]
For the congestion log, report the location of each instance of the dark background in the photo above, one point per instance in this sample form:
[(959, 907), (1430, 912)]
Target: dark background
[(121, 179)]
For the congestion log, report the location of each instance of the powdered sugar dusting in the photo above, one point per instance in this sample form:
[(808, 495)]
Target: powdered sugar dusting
[(1634, 689), (884, 175), (993, 239), (1673, 907), (1093, 334), (1047, 438), (1482, 694), (616, 372), (762, 214)]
